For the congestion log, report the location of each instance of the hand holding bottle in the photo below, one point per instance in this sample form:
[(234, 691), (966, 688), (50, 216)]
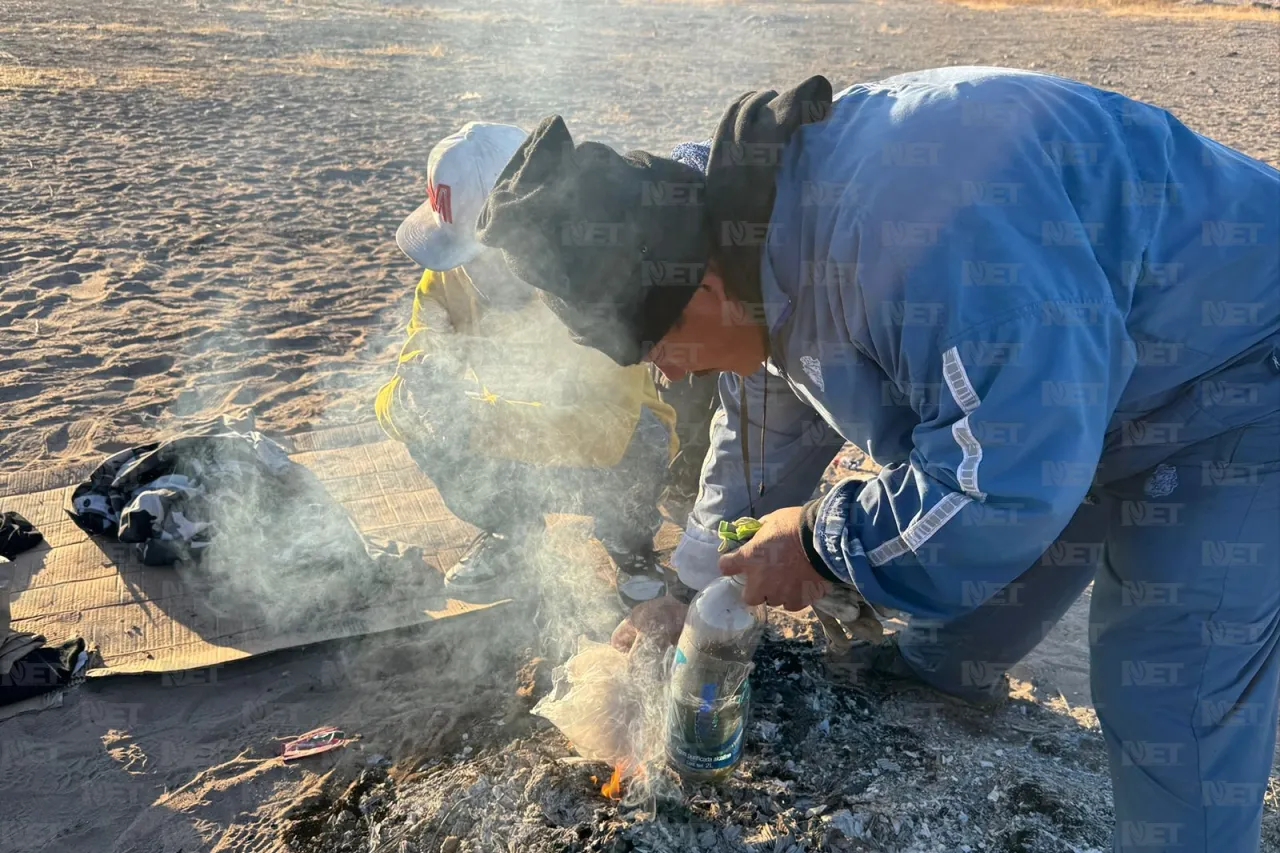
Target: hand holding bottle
[(774, 565)]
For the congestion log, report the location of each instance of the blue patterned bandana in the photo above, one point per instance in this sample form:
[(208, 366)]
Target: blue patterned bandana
[(693, 154)]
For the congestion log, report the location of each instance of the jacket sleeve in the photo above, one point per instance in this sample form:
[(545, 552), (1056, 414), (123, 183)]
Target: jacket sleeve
[(1013, 414), (797, 446)]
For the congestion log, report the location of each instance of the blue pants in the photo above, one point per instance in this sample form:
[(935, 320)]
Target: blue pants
[(1184, 635)]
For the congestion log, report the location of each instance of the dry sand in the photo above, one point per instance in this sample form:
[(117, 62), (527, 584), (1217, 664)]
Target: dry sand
[(197, 205)]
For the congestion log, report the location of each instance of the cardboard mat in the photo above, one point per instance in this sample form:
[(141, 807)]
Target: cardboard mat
[(145, 619)]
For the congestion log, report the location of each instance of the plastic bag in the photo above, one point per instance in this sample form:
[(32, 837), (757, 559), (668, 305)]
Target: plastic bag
[(593, 703), (610, 704)]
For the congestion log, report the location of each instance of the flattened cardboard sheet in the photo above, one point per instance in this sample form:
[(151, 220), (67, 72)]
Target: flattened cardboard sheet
[(145, 619)]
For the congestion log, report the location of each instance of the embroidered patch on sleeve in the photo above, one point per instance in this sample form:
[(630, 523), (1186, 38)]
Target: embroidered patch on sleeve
[(1162, 482), (813, 369)]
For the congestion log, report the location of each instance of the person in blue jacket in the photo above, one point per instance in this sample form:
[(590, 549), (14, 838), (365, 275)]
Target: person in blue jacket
[(1049, 313)]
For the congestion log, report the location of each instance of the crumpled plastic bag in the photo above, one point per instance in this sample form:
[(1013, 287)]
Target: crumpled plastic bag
[(604, 701)]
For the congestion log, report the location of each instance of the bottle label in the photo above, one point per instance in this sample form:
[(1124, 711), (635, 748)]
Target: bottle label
[(708, 732)]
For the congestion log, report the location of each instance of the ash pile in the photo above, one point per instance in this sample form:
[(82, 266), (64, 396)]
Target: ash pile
[(829, 765)]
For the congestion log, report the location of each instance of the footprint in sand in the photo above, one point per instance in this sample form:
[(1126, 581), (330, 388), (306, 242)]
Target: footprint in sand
[(309, 343), (150, 366), (20, 391), (58, 279), (125, 289), (58, 439), (74, 359)]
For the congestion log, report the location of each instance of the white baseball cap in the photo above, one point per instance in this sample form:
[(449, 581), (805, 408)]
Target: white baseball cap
[(461, 170)]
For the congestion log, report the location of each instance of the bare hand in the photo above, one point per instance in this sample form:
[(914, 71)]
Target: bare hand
[(661, 619), (776, 568)]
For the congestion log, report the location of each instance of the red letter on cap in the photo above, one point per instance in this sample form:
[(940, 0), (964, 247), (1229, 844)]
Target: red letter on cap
[(440, 201)]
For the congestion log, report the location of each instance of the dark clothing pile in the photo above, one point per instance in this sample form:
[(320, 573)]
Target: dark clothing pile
[(17, 535), (158, 495), (29, 668), (258, 532), (41, 670)]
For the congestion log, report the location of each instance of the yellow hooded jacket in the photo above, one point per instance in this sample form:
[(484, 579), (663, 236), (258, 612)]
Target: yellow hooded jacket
[(535, 395)]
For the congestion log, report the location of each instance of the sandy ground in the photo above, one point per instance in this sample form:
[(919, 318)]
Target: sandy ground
[(199, 202), (197, 206)]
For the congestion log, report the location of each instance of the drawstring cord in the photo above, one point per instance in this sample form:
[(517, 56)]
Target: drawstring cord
[(743, 423), (764, 419)]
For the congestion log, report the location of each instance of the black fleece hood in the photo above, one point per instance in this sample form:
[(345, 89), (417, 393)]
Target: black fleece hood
[(746, 152)]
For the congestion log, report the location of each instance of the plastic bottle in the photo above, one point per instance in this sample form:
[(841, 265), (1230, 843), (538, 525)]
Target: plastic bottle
[(710, 688)]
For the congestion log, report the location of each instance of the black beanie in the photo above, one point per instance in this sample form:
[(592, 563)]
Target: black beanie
[(617, 244)]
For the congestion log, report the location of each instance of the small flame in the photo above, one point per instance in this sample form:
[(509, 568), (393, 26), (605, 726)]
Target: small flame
[(613, 788)]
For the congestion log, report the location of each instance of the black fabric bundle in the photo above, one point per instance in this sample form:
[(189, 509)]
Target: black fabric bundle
[(41, 671), (17, 535)]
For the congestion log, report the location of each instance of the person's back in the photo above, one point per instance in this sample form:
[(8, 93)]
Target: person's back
[(977, 174)]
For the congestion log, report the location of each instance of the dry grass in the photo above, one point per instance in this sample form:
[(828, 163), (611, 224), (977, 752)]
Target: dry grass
[(481, 16), (25, 77), (433, 50), (318, 60), (365, 59), (193, 81), (99, 31), (1136, 8), (184, 81), (119, 78), (116, 28)]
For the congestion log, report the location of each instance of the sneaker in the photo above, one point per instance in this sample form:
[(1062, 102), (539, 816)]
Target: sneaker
[(882, 666), (639, 576), (490, 570)]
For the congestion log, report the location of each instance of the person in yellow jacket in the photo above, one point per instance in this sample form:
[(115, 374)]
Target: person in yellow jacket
[(507, 414)]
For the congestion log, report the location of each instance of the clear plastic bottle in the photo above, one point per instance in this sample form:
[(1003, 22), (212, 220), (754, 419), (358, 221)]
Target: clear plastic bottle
[(710, 687)]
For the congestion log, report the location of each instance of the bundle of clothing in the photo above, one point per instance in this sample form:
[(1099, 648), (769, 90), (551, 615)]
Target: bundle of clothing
[(17, 535), (262, 530), (30, 671), (163, 497)]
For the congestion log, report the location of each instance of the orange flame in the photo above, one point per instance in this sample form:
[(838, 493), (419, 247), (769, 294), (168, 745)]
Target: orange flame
[(613, 788)]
